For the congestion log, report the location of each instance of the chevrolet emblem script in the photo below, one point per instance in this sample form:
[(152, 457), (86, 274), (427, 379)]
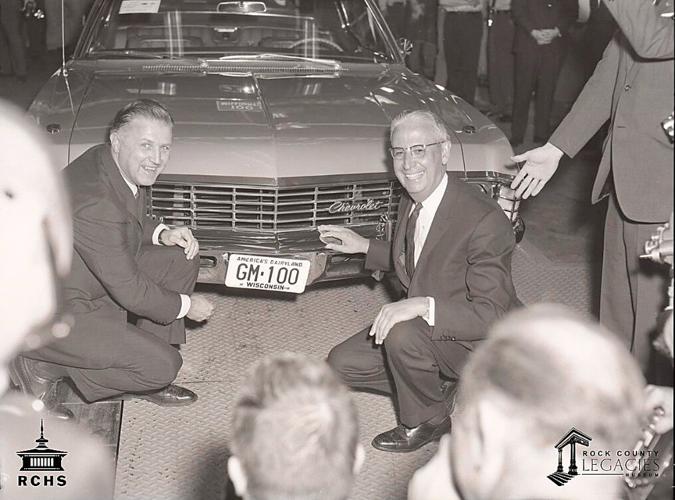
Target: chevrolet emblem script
[(340, 207)]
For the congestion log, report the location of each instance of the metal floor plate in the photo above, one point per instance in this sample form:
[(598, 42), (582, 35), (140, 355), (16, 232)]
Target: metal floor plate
[(180, 453)]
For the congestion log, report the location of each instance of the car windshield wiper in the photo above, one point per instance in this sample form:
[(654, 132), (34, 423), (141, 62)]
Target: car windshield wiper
[(279, 57), (127, 54)]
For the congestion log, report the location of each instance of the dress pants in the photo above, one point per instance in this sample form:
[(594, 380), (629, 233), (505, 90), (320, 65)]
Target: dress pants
[(462, 33), (633, 290), (500, 62), (415, 363), (105, 355), (537, 69), (12, 44)]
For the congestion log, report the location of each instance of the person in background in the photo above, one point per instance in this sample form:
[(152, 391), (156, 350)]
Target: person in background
[(462, 33), (542, 371), (541, 26), (132, 279), (294, 432), (500, 59), (415, 20), (632, 87), (451, 252), (34, 258), (12, 43)]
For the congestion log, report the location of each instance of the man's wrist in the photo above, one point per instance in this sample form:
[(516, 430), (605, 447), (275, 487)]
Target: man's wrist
[(554, 149)]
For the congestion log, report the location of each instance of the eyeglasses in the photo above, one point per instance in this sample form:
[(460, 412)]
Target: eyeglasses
[(417, 151)]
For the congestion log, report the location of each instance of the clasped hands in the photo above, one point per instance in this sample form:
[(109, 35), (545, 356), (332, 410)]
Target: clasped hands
[(545, 36), (342, 239)]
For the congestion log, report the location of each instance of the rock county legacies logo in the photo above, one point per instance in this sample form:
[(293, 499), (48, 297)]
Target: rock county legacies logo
[(635, 466), (41, 465)]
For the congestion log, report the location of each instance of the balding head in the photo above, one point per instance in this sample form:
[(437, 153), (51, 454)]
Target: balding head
[(542, 371), (558, 371)]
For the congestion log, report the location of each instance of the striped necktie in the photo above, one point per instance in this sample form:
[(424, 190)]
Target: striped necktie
[(410, 240)]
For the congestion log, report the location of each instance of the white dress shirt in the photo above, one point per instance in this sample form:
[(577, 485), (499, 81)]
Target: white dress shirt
[(185, 301), (424, 220)]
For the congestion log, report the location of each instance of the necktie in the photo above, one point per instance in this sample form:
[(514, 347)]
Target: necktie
[(410, 240)]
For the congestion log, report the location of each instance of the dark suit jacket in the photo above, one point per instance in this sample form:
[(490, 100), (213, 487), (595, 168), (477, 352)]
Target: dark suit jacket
[(109, 227), (465, 264), (529, 15), (633, 86)]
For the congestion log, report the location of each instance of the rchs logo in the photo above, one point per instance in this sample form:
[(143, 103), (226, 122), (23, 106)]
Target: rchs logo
[(41, 459), (572, 438), (367, 205)]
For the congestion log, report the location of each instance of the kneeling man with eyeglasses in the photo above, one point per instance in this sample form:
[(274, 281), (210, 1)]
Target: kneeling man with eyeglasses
[(451, 251)]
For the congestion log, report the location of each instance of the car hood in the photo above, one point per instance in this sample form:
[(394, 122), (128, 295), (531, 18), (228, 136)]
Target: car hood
[(271, 126)]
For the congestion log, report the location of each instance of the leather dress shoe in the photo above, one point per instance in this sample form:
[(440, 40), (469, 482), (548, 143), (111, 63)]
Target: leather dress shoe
[(402, 439), (23, 375), (171, 395)]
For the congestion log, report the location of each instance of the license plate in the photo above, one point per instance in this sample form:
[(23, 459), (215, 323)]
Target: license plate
[(267, 273)]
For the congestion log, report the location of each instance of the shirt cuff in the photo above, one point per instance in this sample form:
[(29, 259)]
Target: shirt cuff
[(155, 234), (185, 304), (430, 316)]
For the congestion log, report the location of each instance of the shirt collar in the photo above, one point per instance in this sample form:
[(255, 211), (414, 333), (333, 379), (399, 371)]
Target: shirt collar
[(434, 199), (132, 186)]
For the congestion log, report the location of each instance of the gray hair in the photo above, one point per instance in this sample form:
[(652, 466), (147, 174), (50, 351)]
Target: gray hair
[(148, 108), (295, 430), (557, 370), (432, 117)]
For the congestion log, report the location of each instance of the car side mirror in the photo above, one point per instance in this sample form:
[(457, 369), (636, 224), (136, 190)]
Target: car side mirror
[(405, 46)]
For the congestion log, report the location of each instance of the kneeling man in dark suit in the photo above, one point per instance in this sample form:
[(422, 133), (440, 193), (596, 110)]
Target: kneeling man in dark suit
[(452, 253), (126, 265)]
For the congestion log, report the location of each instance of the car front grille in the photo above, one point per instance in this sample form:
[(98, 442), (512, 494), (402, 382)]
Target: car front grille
[(272, 208)]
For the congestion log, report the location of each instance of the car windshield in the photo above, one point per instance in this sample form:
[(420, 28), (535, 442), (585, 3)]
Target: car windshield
[(339, 30)]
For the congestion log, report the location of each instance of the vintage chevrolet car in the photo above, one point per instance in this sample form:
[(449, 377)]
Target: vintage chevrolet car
[(282, 109)]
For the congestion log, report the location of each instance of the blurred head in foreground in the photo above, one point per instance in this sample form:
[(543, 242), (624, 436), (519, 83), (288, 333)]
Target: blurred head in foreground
[(36, 247), (294, 433), (542, 371)]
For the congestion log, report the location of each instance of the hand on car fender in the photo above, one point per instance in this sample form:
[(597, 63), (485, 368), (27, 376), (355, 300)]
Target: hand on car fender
[(540, 165), (201, 308), (342, 239), (393, 313), (183, 237)]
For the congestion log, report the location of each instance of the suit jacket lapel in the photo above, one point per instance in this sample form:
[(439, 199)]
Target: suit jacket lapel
[(120, 187), (439, 226)]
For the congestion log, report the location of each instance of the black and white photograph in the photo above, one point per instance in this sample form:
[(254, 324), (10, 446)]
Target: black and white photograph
[(336, 249)]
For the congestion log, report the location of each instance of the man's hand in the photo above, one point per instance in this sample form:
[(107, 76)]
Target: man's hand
[(660, 396), (200, 309), (181, 236), (433, 481), (343, 240), (393, 313), (540, 165)]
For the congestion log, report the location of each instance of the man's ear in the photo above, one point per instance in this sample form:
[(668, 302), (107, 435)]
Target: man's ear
[(445, 152), (359, 458), (236, 473), (115, 141), (493, 444)]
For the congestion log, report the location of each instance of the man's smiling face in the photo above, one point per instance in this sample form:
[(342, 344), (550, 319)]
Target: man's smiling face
[(420, 176), (141, 149)]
